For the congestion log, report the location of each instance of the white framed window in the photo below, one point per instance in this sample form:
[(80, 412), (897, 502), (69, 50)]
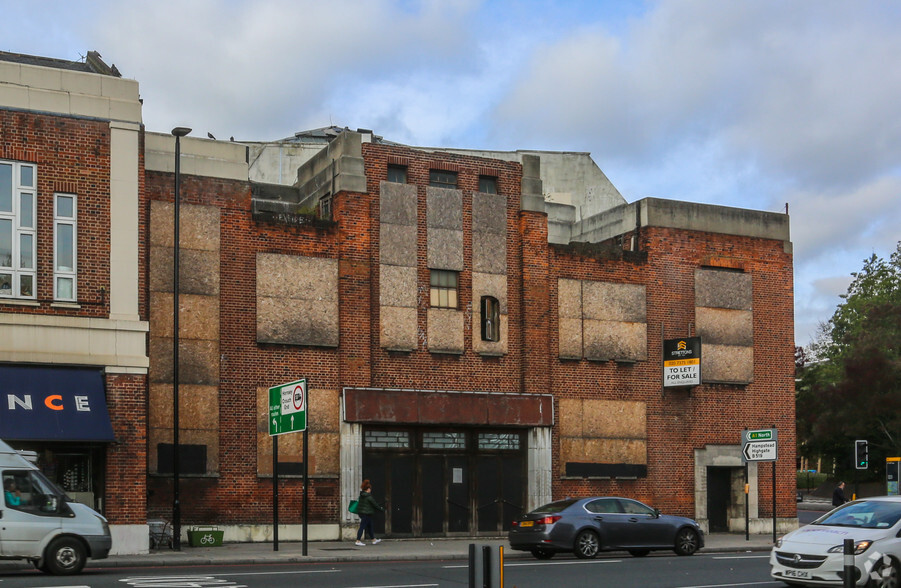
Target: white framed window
[(18, 235), (65, 247)]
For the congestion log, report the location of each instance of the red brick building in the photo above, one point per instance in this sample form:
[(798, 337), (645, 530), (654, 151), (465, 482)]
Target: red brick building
[(481, 332)]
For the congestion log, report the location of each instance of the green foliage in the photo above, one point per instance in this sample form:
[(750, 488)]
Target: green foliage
[(808, 481), (851, 389)]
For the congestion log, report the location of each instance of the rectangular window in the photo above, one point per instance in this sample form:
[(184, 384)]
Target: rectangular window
[(325, 207), (436, 440), (443, 289), (505, 441), (488, 184), (443, 179), (18, 234), (65, 252), (191, 458), (397, 174), (491, 328), (386, 439)]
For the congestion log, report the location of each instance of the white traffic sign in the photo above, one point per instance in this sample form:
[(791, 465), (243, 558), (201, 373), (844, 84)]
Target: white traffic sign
[(759, 451), (759, 445)]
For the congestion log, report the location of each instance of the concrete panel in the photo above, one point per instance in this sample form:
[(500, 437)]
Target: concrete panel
[(13, 96), (199, 361), (488, 285), (199, 227), (397, 203), (490, 347), (727, 363), (720, 326), (614, 302), (198, 407), (297, 322), (445, 330), (489, 213), (444, 208), (398, 328), (569, 298), (569, 417), (489, 253), (445, 249), (723, 289), (198, 318), (397, 245), (397, 286), (48, 101), (91, 106), (324, 411), (614, 419), (570, 338), (615, 340), (198, 271), (296, 277)]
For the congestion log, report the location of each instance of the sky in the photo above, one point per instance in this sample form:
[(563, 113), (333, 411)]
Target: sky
[(759, 104)]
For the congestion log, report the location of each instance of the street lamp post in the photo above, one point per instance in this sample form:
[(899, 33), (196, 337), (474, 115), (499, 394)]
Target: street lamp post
[(178, 132)]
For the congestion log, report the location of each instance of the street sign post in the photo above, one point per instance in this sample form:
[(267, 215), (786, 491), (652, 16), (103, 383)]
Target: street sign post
[(288, 408), (288, 414), (759, 445)]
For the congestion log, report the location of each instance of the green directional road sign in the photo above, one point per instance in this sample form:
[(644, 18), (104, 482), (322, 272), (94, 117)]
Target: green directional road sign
[(288, 408), (762, 435)]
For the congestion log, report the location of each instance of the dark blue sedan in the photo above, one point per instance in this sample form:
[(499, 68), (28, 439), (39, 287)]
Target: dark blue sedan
[(587, 526)]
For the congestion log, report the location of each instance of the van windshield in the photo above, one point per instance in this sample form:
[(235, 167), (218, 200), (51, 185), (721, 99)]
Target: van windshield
[(30, 491)]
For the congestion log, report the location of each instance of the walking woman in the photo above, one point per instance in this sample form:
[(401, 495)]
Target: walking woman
[(366, 508)]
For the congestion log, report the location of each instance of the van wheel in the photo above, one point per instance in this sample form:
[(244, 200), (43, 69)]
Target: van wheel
[(65, 556)]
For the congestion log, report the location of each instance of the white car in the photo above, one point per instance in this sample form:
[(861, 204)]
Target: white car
[(813, 555)]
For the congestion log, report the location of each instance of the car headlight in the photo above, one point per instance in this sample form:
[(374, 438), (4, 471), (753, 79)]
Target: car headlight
[(779, 542), (859, 547)]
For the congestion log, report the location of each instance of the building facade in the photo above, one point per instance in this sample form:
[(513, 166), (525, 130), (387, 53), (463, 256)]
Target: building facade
[(481, 332)]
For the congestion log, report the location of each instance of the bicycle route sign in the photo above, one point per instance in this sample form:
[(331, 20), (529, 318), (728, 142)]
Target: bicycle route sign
[(759, 445), (288, 408)]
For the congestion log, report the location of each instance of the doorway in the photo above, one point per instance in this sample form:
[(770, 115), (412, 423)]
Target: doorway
[(445, 482), (719, 492)]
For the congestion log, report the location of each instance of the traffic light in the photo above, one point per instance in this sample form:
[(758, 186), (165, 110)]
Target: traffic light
[(861, 459)]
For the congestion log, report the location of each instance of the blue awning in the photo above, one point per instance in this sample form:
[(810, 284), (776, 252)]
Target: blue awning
[(53, 404)]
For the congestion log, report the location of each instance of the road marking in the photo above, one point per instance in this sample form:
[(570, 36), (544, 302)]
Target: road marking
[(547, 563), (727, 585), (741, 557)]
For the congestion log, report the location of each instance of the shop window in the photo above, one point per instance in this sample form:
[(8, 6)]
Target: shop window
[(397, 174), (491, 330), (443, 179), (386, 439), (443, 289), (488, 184), (192, 459), (443, 440), (65, 251), (508, 441), (18, 237)]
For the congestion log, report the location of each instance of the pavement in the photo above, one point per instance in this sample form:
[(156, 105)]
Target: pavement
[(387, 549)]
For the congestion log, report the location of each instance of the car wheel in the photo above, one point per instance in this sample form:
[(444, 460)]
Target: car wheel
[(542, 553), (587, 545), (65, 556), (639, 552), (687, 542), (885, 574)]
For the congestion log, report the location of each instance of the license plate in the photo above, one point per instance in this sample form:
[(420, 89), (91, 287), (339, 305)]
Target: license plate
[(527, 523), (796, 574)]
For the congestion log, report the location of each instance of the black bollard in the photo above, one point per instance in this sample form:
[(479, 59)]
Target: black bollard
[(848, 552)]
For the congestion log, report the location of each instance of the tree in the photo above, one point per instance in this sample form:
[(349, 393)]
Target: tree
[(851, 388)]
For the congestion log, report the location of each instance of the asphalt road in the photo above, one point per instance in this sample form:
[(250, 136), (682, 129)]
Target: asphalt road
[(715, 570)]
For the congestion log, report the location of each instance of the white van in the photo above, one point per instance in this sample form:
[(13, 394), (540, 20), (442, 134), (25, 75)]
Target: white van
[(40, 523)]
